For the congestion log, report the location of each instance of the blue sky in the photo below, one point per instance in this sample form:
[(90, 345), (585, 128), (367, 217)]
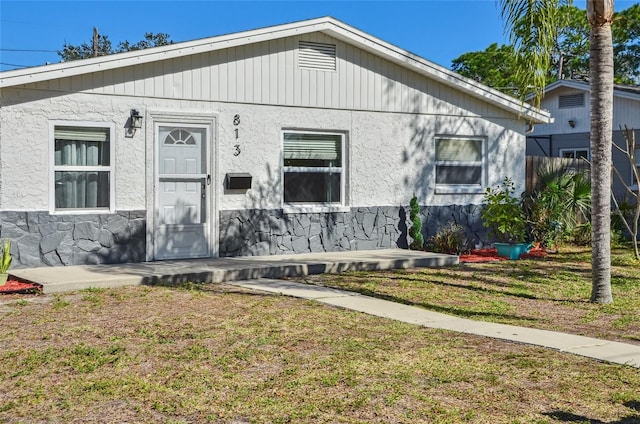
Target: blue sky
[(438, 30)]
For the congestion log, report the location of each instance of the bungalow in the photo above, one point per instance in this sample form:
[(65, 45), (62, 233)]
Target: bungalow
[(304, 137), (568, 135)]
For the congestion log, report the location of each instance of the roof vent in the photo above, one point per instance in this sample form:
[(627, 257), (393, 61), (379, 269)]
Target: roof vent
[(571, 100), (316, 56)]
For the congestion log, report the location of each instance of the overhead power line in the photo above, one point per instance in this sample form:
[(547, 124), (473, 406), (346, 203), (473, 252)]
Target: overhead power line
[(28, 50), (48, 24), (14, 65)]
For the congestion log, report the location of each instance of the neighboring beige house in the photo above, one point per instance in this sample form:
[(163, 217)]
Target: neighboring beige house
[(309, 136), (568, 135)]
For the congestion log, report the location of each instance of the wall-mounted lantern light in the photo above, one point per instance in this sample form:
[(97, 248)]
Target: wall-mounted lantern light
[(572, 123), (136, 119)]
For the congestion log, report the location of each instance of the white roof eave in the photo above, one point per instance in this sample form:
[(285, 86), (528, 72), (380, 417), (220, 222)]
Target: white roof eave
[(584, 86), (137, 57), (327, 25)]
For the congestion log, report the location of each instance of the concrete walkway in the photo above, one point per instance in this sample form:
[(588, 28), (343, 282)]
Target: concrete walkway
[(615, 352), (263, 273)]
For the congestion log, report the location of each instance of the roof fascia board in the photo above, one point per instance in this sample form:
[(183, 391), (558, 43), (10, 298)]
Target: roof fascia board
[(567, 83), (171, 51), (583, 86), (560, 83), (626, 95)]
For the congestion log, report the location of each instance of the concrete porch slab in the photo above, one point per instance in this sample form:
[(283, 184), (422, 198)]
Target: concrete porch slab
[(70, 278)]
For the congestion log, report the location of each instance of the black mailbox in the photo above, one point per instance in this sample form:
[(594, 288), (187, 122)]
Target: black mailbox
[(238, 181)]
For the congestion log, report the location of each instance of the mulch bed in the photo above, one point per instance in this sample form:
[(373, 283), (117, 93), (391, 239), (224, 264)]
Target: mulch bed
[(490, 254), (19, 287)]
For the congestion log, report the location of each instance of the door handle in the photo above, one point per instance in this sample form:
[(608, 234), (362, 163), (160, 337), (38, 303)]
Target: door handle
[(208, 179)]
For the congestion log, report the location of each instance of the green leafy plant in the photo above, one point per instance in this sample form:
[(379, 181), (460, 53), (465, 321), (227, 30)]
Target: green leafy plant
[(416, 225), (558, 207), (503, 213), (450, 239), (5, 258)]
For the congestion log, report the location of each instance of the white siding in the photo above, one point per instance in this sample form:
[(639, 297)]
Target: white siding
[(267, 73), (625, 112), (561, 116)]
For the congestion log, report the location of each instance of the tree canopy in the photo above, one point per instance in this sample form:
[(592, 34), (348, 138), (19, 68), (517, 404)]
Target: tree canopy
[(104, 46), (497, 66), (626, 45)]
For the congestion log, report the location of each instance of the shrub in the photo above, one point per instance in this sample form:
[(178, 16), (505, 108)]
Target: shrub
[(450, 239), (5, 257), (581, 235), (503, 213), (559, 206), (624, 212), (416, 225)]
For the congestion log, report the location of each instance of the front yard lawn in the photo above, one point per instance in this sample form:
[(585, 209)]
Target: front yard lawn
[(215, 353), (551, 293)]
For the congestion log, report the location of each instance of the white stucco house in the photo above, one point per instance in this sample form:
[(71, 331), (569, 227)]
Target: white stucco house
[(568, 102), (309, 136)]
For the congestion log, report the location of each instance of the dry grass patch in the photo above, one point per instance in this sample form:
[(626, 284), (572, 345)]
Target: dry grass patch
[(223, 355)]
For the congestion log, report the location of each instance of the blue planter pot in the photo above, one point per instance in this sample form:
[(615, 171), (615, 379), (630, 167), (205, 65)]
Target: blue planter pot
[(512, 250)]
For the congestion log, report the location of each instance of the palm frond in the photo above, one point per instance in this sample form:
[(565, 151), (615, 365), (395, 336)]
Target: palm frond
[(532, 27)]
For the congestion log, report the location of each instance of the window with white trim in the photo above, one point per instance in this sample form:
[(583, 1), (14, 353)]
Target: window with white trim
[(82, 168), (460, 163), (313, 168), (583, 153)]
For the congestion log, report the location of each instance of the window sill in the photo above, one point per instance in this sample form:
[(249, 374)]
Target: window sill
[(459, 190), (82, 212), (319, 208)]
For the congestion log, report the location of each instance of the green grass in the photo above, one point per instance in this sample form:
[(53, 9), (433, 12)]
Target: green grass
[(213, 353), (552, 293)]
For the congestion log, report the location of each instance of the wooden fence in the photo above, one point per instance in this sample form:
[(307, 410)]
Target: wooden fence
[(535, 163)]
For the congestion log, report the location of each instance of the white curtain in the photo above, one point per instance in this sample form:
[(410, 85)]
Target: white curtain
[(84, 147)]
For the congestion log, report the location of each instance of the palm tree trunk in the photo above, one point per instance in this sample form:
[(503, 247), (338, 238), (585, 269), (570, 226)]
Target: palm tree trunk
[(600, 13)]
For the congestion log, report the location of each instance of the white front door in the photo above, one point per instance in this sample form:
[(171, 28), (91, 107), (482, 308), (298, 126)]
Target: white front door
[(183, 182)]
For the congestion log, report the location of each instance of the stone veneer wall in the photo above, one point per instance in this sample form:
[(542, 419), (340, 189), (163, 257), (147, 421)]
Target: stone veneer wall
[(39, 238), (272, 232)]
